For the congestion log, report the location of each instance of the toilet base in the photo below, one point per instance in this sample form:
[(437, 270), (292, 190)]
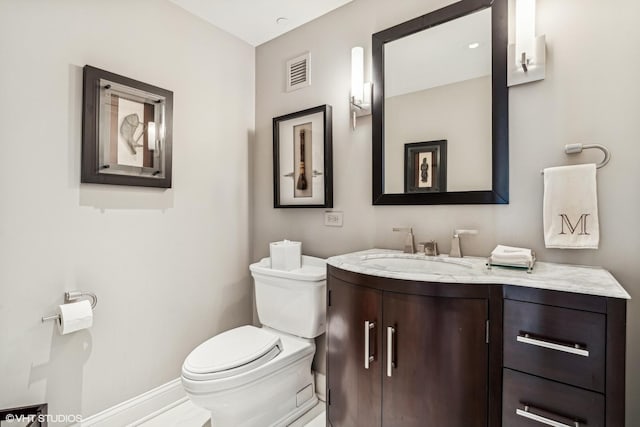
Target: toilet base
[(284, 421), (297, 413), (274, 399)]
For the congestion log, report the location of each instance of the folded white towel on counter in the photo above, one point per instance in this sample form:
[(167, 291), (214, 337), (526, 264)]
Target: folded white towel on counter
[(570, 207), (510, 255)]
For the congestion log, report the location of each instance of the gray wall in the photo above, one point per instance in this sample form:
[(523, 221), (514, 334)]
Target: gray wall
[(591, 94), (169, 267)]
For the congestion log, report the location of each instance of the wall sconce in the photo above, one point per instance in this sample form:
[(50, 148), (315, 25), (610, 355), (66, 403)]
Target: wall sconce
[(360, 91), (526, 57)]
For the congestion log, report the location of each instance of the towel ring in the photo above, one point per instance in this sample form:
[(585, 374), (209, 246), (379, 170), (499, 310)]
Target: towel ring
[(577, 148)]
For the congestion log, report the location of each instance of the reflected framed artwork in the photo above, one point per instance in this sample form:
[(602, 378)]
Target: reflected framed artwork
[(302, 159), (425, 167), (126, 131)]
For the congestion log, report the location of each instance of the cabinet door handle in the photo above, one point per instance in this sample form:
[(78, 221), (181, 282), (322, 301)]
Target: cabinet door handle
[(576, 349), (368, 357), (542, 420), (390, 363)]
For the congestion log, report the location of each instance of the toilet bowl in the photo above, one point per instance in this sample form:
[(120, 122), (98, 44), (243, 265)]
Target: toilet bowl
[(257, 377)]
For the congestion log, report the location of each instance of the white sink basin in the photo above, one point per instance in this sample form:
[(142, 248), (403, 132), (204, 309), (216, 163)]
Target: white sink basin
[(417, 264)]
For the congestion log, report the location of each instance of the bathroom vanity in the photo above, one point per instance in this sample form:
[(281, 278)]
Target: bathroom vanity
[(437, 341)]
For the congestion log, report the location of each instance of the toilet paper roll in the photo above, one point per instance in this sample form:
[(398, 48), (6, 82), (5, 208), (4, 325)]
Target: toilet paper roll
[(285, 255), (74, 316)]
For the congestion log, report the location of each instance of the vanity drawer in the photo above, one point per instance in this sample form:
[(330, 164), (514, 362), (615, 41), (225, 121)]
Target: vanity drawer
[(530, 401), (557, 343)]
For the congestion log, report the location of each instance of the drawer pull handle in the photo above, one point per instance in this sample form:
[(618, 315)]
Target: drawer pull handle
[(390, 363), (553, 346), (368, 357), (542, 420)]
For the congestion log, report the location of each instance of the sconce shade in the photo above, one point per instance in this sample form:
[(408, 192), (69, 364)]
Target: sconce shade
[(525, 29), (526, 58), (357, 74)]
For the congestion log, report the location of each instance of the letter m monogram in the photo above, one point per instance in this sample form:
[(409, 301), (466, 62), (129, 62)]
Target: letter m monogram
[(582, 223)]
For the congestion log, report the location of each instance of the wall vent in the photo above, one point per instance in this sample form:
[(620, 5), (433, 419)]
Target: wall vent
[(298, 72)]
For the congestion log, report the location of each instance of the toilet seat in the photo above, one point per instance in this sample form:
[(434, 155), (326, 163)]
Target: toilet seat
[(290, 349), (232, 353)]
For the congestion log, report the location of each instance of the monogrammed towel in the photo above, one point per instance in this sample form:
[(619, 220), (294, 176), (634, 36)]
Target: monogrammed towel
[(570, 207)]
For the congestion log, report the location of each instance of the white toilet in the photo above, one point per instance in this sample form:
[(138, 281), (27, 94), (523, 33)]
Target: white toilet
[(258, 377)]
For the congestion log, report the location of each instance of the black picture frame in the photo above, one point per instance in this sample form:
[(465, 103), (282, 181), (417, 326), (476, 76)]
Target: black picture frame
[(296, 134), (425, 167), (499, 193), (98, 170)]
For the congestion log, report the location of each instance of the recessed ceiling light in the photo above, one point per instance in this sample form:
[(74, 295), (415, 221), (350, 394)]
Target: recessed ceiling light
[(473, 45), (281, 20)]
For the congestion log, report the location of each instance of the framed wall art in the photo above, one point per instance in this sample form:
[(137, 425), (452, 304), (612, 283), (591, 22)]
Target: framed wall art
[(126, 131), (302, 159), (425, 167)]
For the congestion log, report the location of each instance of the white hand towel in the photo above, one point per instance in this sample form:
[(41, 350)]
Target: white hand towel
[(511, 255), (502, 249), (570, 207)]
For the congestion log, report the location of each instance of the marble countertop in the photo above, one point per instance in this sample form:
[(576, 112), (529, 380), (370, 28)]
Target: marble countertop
[(545, 275)]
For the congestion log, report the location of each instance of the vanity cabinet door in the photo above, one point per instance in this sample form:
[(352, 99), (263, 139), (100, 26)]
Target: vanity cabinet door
[(435, 358), (354, 389)]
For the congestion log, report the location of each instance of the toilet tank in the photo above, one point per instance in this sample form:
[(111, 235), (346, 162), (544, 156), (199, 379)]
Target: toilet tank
[(292, 301)]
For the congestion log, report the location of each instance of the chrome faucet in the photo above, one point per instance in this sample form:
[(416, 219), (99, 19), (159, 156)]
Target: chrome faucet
[(409, 245), (456, 250)]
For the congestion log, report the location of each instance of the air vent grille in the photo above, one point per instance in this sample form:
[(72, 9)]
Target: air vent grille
[(298, 72)]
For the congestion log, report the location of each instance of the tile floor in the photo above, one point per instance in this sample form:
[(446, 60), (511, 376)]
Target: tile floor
[(186, 414)]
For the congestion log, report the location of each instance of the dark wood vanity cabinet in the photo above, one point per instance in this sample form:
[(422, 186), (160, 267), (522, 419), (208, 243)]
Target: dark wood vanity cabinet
[(407, 353), (564, 359), (403, 353)]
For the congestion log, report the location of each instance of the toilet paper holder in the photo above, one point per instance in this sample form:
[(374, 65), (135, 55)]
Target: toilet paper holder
[(72, 296)]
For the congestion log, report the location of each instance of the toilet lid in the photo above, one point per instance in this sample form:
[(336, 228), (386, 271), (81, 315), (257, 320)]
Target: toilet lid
[(231, 353)]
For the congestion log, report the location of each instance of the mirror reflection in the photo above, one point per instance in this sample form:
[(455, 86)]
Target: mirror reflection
[(438, 108)]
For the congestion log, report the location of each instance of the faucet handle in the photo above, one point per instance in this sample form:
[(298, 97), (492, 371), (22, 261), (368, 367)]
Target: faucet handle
[(409, 245), (456, 251), (464, 231), (407, 229)]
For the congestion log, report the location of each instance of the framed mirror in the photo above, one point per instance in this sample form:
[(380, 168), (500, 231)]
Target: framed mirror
[(439, 82)]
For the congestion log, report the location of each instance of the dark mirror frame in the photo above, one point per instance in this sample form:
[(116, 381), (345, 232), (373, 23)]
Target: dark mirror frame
[(499, 194)]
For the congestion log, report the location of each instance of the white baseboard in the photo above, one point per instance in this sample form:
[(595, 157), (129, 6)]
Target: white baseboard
[(154, 402), (321, 386), (140, 407)]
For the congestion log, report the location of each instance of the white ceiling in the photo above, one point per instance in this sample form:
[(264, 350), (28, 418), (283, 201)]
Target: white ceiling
[(254, 21)]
